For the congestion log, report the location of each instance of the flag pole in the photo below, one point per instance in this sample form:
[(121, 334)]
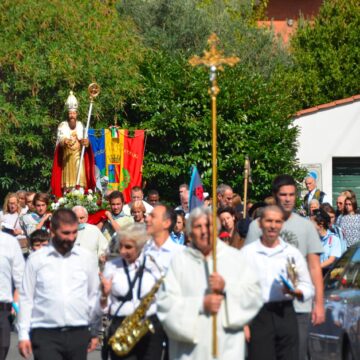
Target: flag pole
[(214, 59), (246, 182), (94, 91)]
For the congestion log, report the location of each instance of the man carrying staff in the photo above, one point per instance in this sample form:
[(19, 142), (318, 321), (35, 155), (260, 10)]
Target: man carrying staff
[(191, 293), (58, 295)]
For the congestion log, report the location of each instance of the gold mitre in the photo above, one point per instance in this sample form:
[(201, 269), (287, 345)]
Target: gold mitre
[(71, 102)]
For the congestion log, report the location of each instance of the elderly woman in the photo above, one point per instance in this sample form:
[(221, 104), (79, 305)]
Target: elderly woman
[(138, 211), (124, 282), (314, 205)]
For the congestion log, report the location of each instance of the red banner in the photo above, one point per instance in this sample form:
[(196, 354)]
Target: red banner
[(133, 160)]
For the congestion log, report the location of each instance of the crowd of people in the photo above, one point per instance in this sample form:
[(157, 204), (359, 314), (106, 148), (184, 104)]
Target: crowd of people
[(69, 280)]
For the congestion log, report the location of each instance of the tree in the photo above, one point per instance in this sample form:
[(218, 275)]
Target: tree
[(254, 106), (48, 48), (327, 54)]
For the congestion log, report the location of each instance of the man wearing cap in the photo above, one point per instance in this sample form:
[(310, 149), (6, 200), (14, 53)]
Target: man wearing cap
[(70, 140)]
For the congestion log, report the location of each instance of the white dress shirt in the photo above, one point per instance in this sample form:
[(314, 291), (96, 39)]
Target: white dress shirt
[(163, 254), (58, 291), (269, 263), (120, 285), (11, 266)]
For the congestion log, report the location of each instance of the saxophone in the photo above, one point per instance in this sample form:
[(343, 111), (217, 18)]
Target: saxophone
[(136, 325)]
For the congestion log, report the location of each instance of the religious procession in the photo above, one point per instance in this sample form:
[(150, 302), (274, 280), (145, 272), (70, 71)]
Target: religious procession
[(165, 194)]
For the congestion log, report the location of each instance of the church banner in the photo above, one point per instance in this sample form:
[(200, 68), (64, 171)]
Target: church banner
[(123, 160)]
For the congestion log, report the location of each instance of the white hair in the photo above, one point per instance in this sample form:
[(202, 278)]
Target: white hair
[(315, 201), (135, 232), (222, 188), (194, 215), (81, 208)]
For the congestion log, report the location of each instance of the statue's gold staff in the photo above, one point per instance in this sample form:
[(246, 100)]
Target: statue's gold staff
[(94, 91), (214, 59)]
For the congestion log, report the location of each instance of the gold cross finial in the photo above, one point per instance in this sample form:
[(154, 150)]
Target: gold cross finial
[(214, 57)]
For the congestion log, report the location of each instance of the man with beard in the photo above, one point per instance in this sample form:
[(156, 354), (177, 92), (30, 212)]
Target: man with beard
[(70, 140), (58, 295)]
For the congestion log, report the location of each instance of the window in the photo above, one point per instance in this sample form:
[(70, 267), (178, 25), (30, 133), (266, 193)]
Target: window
[(344, 270)]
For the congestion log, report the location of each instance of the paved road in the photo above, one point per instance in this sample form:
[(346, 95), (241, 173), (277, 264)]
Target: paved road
[(14, 354)]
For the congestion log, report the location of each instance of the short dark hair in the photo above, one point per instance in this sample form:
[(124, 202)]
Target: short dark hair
[(282, 180), (63, 216), (153, 192), (169, 214), (225, 209), (116, 195), (43, 197), (328, 208), (39, 236), (321, 217)]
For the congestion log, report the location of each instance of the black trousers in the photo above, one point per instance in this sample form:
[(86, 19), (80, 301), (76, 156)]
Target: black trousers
[(5, 328), (274, 333), (60, 344), (303, 320), (153, 346)]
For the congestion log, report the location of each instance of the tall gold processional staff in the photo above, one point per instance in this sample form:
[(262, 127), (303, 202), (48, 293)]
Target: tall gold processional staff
[(214, 59)]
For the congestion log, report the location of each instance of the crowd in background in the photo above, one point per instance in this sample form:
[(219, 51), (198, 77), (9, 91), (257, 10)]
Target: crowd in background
[(144, 228)]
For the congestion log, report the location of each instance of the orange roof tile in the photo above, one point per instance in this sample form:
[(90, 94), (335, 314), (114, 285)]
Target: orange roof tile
[(327, 106)]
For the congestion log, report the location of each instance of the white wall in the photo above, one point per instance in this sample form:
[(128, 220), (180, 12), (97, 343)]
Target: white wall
[(333, 132)]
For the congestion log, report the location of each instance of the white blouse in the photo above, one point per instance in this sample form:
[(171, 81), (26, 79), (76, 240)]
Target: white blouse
[(120, 285)]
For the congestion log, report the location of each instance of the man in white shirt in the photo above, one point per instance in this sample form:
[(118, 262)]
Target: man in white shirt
[(58, 296), (11, 270), (137, 195), (274, 331), (190, 296), (89, 236), (161, 247), (301, 233)]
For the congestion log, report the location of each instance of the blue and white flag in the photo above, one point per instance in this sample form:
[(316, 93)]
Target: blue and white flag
[(196, 190)]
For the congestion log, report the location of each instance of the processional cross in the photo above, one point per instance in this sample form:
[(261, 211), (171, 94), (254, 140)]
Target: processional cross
[(214, 59)]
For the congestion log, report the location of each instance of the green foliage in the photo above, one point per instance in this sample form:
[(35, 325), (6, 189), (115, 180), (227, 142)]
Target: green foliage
[(327, 54), (254, 106), (253, 119), (48, 48)]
